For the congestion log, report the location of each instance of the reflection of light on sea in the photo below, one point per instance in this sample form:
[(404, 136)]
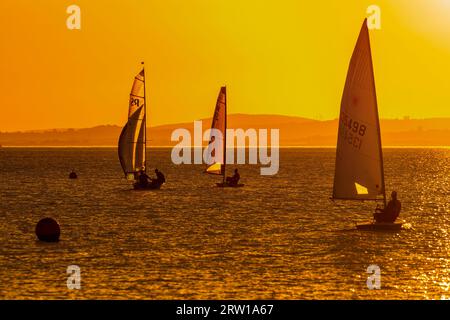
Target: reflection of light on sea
[(279, 238), (445, 285), (436, 276)]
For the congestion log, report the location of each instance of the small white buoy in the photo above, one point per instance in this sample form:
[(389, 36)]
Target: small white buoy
[(48, 230)]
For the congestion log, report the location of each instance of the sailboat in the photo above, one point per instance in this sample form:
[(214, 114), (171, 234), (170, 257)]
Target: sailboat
[(219, 122), (132, 146), (359, 171)]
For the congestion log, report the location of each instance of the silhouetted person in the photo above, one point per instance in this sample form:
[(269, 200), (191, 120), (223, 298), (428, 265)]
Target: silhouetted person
[(73, 175), (234, 179), (143, 178), (160, 179), (391, 212)]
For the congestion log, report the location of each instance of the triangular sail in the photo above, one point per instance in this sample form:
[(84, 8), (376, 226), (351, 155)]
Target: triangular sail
[(219, 123), (359, 163), (132, 140)]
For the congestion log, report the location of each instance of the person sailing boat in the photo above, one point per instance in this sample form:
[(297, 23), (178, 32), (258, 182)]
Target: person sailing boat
[(233, 180), (219, 122), (160, 179), (143, 178), (132, 145), (391, 212), (359, 168)]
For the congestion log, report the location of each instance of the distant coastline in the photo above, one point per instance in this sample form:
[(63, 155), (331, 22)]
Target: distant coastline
[(295, 132)]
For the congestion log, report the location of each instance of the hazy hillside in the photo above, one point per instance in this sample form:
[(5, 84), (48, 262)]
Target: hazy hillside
[(294, 131)]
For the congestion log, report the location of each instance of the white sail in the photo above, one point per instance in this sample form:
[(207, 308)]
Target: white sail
[(359, 163), (132, 141), (219, 122)]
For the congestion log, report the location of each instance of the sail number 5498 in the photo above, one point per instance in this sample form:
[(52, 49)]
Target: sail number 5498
[(352, 130), (353, 125)]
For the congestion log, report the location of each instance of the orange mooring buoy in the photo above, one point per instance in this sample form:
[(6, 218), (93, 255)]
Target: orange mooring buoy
[(48, 230)]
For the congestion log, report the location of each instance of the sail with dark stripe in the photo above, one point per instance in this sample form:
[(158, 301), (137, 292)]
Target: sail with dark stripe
[(132, 141), (219, 123)]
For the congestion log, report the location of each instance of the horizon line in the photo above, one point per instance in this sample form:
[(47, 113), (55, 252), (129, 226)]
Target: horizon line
[(404, 118), (235, 147)]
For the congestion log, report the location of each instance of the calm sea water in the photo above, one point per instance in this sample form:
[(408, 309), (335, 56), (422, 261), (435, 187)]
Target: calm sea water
[(279, 237)]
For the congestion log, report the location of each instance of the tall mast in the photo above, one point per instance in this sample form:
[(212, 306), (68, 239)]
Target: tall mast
[(378, 122), (225, 136), (145, 120)]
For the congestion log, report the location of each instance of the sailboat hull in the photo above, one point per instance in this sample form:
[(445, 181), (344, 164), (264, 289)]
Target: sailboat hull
[(383, 226), (151, 186), (226, 185)]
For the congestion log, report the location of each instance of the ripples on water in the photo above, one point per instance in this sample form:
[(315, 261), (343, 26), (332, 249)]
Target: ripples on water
[(279, 237)]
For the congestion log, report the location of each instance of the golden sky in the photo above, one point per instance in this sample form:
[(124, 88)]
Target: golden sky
[(276, 57)]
